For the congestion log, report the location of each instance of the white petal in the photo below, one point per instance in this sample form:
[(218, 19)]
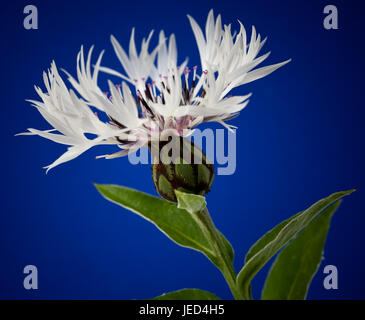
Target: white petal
[(263, 72)]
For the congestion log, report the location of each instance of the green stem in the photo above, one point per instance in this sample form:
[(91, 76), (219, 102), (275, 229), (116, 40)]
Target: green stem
[(216, 241)]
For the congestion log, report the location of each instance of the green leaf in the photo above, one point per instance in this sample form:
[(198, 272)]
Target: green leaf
[(177, 224), (195, 203), (288, 232), (188, 294), (267, 237), (295, 266)]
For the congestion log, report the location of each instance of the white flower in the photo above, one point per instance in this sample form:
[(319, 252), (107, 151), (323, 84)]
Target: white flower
[(167, 98)]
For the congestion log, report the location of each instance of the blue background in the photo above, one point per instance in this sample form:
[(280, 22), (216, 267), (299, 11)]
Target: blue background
[(300, 139)]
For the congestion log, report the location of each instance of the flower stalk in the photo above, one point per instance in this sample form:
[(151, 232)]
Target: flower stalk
[(225, 265)]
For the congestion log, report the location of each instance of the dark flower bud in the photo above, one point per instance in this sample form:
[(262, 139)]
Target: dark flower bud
[(181, 166)]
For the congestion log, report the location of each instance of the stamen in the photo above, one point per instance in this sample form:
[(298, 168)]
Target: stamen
[(166, 78), (203, 93), (154, 89), (163, 96), (187, 121), (194, 74), (193, 82), (148, 92), (117, 123), (144, 104), (186, 86)]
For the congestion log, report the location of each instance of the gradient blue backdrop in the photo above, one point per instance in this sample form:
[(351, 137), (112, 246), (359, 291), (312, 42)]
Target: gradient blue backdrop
[(300, 139)]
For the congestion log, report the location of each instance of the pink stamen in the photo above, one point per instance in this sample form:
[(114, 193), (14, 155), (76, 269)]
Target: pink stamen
[(194, 75), (186, 71), (154, 88)]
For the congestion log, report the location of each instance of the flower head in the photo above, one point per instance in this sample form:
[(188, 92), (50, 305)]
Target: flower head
[(167, 99)]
